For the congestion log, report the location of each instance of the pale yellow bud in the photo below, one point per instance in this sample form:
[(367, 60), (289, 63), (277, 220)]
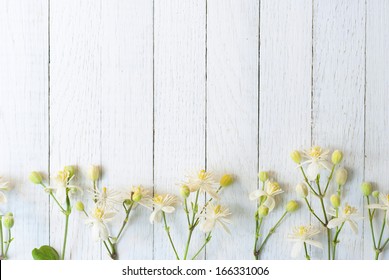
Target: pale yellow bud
[(296, 156), (79, 206), (94, 173), (8, 220), (337, 157), (341, 176), (366, 188), (71, 170), (263, 176), (226, 180), (302, 190), (335, 200), (263, 211), (376, 194), (35, 178), (184, 191), (136, 196), (292, 206)]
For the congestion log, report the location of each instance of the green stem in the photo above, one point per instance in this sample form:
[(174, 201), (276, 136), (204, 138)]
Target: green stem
[(167, 229), (186, 211), (1, 236), (382, 231), (55, 199), (125, 221), (113, 250), (386, 243), (325, 218), (306, 252), (8, 244), (67, 214), (335, 242), (313, 212), (207, 239), (271, 231), (94, 191), (329, 180), (192, 224), (106, 246), (258, 226), (307, 181), (371, 217)]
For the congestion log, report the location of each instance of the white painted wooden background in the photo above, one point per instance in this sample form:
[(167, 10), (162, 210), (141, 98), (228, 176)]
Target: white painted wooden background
[(151, 89)]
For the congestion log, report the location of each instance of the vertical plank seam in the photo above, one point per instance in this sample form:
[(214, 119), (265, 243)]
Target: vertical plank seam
[(153, 161), (101, 102), (258, 96), (206, 102), (364, 130), (48, 110)]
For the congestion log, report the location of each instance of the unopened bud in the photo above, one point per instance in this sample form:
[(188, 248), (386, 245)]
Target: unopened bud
[(335, 200), (263, 211), (226, 180), (184, 191), (35, 178), (71, 170), (376, 194), (337, 157), (292, 206), (79, 206), (341, 176), (263, 176), (366, 188), (94, 173), (302, 190), (296, 156), (8, 220)]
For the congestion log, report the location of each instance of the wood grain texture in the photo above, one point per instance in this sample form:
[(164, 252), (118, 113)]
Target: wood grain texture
[(285, 98), (179, 98), (75, 109), (23, 119), (127, 113), (338, 98), (377, 102), (232, 117)]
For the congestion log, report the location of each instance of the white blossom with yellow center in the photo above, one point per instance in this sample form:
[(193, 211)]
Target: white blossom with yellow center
[(272, 189), (316, 159), (163, 203), (4, 186), (301, 235), (214, 215), (203, 181), (62, 185), (347, 214), (97, 221), (107, 198), (143, 196), (383, 205)]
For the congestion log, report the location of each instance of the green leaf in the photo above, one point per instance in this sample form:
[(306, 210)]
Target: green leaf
[(45, 253)]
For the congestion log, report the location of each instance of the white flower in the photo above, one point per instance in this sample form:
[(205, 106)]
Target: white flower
[(107, 198), (142, 196), (347, 214), (316, 158), (271, 190), (301, 235), (383, 205), (62, 186), (162, 203), (215, 214), (203, 181), (4, 186), (97, 221)]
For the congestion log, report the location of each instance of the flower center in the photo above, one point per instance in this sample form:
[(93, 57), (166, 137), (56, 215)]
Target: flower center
[(273, 187), (315, 152), (387, 197), (99, 213), (302, 230), (158, 199), (202, 175), (217, 209), (63, 176), (348, 210)]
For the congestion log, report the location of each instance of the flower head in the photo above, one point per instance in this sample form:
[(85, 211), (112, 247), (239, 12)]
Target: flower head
[(383, 205), (63, 186), (347, 214), (142, 196), (4, 186), (214, 215), (203, 181), (97, 221), (93, 173), (316, 158), (163, 204), (272, 189), (301, 235), (107, 198)]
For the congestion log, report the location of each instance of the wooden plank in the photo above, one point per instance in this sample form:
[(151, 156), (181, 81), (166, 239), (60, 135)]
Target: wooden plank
[(232, 117), (23, 119), (127, 113), (75, 109), (285, 100), (338, 98), (377, 102), (179, 33)]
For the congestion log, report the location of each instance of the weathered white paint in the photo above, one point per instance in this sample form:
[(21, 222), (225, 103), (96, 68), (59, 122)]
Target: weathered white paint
[(152, 90)]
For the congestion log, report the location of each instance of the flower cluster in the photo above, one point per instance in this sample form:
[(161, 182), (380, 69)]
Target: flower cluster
[(266, 202), (206, 216), (381, 205), (318, 173), (6, 221)]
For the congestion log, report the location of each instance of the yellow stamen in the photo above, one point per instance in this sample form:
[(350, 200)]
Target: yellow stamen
[(217, 209), (315, 152), (158, 199), (348, 210), (99, 213), (302, 230), (202, 175)]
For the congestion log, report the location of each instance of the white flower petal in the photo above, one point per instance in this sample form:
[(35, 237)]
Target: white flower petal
[(3, 198), (377, 206), (168, 209), (270, 203), (208, 225), (312, 171), (335, 222), (353, 226), (256, 194), (296, 249), (314, 243), (224, 226), (156, 216)]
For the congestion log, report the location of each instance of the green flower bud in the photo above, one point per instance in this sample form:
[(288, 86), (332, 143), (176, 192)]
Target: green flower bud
[(302, 190), (337, 157), (184, 191), (128, 201), (292, 206), (366, 188), (335, 200), (94, 173), (263, 211), (79, 206), (226, 180), (71, 169), (376, 194), (341, 176), (35, 178), (8, 220), (263, 176), (136, 196), (296, 156)]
